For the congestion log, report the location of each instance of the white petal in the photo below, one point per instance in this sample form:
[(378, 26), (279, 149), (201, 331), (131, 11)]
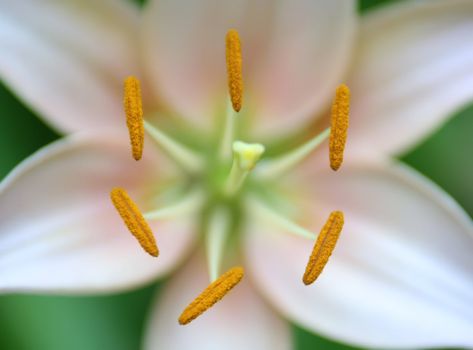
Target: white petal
[(413, 70), (59, 231), (68, 59), (400, 276), (294, 53), (239, 321), (309, 49)]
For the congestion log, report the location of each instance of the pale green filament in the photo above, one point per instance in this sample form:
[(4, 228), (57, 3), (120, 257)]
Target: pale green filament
[(273, 168), (218, 229), (228, 132), (245, 157), (186, 205), (262, 211), (185, 157)]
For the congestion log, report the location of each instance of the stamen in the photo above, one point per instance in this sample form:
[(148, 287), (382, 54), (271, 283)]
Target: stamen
[(339, 121), (213, 293), (234, 68), (186, 158), (274, 168), (245, 157), (323, 247), (134, 220), (258, 208), (189, 204), (134, 115), (218, 229), (228, 133)]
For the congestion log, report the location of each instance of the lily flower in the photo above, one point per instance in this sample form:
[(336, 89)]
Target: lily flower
[(244, 180)]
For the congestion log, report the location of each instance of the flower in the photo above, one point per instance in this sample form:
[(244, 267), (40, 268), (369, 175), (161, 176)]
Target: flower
[(401, 270)]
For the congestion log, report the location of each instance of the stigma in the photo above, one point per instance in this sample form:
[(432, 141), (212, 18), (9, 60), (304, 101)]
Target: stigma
[(134, 220), (212, 294)]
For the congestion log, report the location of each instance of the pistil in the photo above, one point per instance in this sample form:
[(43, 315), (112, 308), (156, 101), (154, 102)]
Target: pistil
[(245, 157)]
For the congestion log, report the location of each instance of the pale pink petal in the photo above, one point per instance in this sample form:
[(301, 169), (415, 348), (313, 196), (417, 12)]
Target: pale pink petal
[(294, 53), (68, 59), (413, 70), (241, 320), (400, 276), (309, 49), (59, 231)]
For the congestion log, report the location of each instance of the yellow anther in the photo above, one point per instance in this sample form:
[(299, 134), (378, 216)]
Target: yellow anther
[(234, 70), (134, 220), (339, 127), (323, 247), (134, 115), (213, 293)]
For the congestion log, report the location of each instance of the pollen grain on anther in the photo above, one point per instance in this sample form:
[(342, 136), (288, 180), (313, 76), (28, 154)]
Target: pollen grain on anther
[(212, 294), (323, 247), (134, 220), (234, 69), (339, 126), (134, 115)]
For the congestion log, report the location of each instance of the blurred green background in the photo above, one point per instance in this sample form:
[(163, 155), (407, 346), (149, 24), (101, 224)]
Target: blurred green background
[(30, 322)]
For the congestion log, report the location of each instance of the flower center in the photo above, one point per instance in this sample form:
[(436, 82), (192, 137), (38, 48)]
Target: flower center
[(231, 184)]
